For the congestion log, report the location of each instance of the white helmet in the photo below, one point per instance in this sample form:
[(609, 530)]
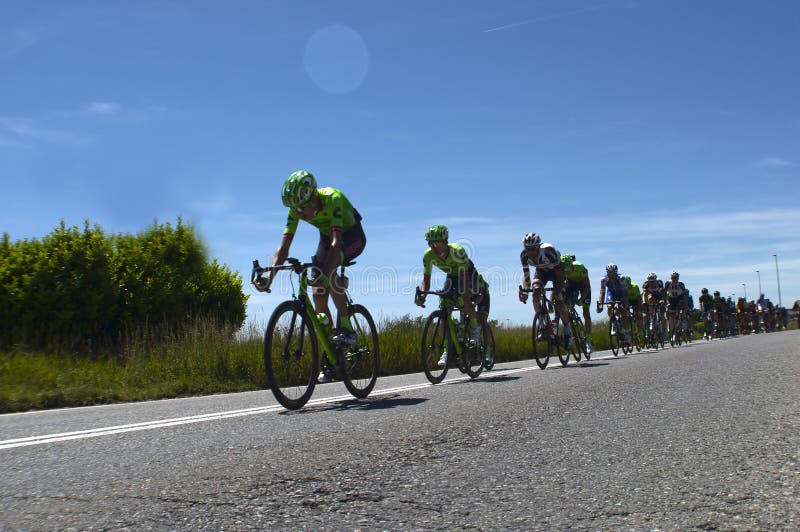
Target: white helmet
[(531, 240)]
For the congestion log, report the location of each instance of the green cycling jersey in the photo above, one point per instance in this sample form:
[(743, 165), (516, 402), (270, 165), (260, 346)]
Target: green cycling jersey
[(634, 294), (337, 213), (457, 262), (578, 274)]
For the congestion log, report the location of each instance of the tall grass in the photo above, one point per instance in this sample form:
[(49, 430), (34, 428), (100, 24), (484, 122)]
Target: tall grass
[(158, 362)]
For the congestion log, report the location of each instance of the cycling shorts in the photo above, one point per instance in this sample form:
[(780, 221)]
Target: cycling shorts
[(353, 243), (542, 276), (677, 303), (575, 293), (452, 287)]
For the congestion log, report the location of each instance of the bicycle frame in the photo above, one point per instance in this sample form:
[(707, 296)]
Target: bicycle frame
[(301, 269), (448, 306)]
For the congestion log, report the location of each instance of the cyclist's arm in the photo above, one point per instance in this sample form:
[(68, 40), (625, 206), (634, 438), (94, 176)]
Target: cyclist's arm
[(526, 270), (426, 282), (283, 250)]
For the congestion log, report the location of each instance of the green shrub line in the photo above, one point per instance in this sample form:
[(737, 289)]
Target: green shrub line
[(80, 290), (205, 358)]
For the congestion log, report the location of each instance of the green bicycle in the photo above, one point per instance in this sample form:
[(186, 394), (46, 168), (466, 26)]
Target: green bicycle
[(443, 334), (295, 334)]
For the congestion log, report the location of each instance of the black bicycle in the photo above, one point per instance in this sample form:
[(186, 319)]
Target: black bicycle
[(579, 347), (547, 335), (295, 333), (653, 328), (444, 335), (615, 329)]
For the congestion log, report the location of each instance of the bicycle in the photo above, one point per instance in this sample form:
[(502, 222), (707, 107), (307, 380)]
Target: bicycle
[(546, 339), (614, 326), (709, 326), (443, 334), (579, 338), (295, 334), (677, 332), (652, 327), (637, 336)]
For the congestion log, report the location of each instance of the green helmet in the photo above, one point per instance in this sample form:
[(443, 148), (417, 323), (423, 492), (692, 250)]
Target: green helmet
[(298, 189), (436, 233), (567, 260)]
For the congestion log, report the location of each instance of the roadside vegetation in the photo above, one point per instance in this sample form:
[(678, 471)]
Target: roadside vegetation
[(204, 358), (89, 318)]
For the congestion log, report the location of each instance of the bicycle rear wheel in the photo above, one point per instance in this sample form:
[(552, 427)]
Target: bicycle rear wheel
[(291, 360), (489, 354), (435, 342), (472, 356), (360, 364), (561, 345), (636, 335), (541, 348), (578, 338)]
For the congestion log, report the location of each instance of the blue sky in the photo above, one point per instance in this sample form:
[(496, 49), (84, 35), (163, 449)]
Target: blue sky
[(657, 135)]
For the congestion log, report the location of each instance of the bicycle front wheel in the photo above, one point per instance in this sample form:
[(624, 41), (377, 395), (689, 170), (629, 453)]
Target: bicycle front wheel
[(435, 343), (291, 360), (360, 364), (613, 335), (541, 348)]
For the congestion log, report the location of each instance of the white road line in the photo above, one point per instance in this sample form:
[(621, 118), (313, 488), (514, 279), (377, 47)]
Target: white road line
[(149, 425)]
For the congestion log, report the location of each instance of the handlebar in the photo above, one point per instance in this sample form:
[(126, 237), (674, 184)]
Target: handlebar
[(258, 270), (530, 290), (440, 293)]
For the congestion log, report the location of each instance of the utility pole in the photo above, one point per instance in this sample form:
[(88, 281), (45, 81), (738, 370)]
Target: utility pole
[(778, 275), (759, 283)]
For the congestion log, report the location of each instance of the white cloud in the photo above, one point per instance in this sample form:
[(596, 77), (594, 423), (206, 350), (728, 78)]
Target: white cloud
[(17, 40), (775, 162), (563, 14), (104, 108), (25, 129)]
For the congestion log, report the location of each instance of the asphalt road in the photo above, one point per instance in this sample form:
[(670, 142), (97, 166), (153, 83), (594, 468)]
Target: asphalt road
[(705, 436)]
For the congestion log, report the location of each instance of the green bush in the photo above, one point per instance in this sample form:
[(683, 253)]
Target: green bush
[(81, 291)]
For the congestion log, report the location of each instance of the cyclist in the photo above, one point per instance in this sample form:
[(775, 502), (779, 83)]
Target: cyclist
[(689, 310), (743, 315), (614, 288), (771, 315), (578, 290), (707, 310), (754, 329), (653, 295), (720, 310), (341, 239), (462, 280), (547, 263), (677, 299), (635, 302)]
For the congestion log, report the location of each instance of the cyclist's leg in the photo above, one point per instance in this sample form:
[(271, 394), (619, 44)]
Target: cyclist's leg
[(586, 298), (560, 305), (319, 291), (538, 283), (353, 243)]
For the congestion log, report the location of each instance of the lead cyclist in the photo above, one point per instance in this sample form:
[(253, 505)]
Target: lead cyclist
[(341, 239)]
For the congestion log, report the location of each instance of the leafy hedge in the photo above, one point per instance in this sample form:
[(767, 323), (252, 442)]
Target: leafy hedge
[(81, 290)]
